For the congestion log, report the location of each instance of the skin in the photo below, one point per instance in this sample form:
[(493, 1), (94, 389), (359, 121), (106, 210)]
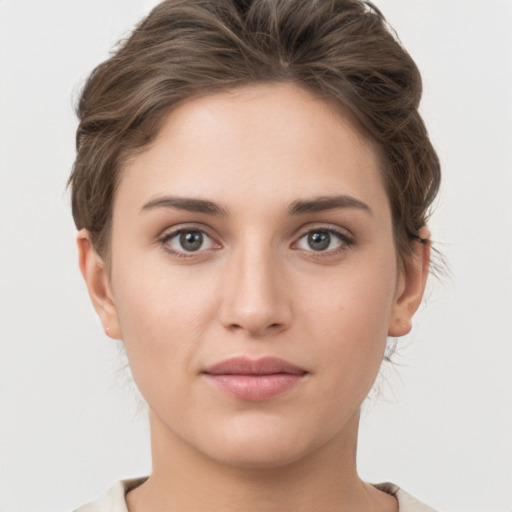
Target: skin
[(255, 288)]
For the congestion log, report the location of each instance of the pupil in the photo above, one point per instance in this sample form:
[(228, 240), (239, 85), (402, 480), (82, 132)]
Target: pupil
[(319, 241), (191, 240)]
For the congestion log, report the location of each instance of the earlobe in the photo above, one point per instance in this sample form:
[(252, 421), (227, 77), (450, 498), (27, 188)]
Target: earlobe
[(96, 278), (411, 287)]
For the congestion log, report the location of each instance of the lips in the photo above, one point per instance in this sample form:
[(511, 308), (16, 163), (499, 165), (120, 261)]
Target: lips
[(254, 380)]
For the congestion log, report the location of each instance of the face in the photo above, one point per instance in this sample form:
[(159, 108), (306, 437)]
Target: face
[(254, 278)]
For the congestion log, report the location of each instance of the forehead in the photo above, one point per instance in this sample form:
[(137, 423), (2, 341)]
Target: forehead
[(268, 141)]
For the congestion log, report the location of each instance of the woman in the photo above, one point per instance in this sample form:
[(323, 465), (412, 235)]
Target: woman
[(251, 189)]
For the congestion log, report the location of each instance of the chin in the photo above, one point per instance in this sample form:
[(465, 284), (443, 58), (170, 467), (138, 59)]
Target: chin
[(261, 448), (257, 457)]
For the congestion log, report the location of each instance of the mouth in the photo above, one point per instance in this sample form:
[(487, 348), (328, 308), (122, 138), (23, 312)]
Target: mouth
[(254, 380)]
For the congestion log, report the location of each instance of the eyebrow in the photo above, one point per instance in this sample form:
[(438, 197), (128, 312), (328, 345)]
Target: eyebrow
[(324, 203), (188, 204), (317, 204)]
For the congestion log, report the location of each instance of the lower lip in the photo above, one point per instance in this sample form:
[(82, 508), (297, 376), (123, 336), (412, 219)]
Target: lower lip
[(255, 387)]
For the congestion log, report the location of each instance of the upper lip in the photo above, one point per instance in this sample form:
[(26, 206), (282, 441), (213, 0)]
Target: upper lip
[(248, 366)]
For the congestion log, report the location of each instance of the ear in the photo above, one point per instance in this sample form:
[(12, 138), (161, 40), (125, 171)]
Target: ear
[(411, 285), (95, 274)]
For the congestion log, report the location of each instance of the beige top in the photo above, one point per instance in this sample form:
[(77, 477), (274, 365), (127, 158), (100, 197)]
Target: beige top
[(114, 500)]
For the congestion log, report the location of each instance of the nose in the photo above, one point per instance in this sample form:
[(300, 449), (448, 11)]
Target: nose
[(255, 294)]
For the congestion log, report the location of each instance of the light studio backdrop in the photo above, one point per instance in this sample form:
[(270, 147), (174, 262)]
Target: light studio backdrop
[(441, 425)]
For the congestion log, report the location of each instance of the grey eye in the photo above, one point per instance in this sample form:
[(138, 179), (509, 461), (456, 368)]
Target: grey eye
[(192, 240), (320, 240)]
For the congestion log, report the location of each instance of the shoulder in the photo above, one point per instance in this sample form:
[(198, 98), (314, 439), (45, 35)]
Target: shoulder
[(406, 503), (114, 500)]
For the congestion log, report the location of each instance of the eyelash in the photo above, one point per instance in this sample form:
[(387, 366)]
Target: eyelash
[(346, 242), (166, 237)]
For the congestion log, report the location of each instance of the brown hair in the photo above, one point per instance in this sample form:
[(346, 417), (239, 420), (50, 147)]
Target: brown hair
[(341, 50)]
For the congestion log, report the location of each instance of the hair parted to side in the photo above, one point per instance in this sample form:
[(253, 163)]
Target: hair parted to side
[(340, 50)]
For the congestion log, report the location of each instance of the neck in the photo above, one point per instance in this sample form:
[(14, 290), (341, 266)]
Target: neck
[(325, 479)]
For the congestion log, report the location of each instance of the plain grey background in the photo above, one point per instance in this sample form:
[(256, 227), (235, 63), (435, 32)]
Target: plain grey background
[(441, 425)]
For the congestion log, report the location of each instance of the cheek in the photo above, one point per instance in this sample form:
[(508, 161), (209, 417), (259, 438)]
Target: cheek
[(358, 296), (162, 314), (348, 316), (154, 297)]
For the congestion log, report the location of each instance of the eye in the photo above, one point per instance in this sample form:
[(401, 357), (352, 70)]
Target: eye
[(323, 240), (188, 241)]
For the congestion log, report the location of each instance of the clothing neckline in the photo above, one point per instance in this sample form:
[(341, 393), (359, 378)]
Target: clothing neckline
[(115, 499)]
